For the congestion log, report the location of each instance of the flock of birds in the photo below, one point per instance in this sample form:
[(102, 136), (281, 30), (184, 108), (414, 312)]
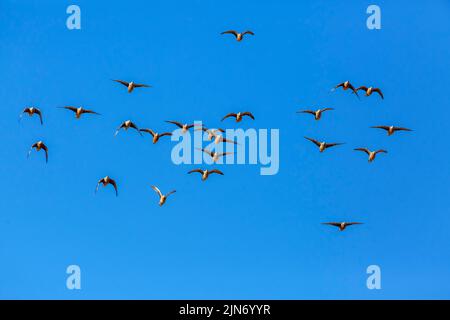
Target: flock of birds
[(215, 133), (322, 145)]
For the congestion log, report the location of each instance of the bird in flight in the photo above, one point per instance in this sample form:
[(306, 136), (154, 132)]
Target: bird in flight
[(371, 154), (38, 146), (79, 111), (31, 111), (211, 132), (370, 90), (317, 114), (162, 197), (239, 116), (323, 145), (239, 36), (391, 129), (205, 173), (341, 225), (126, 125), (346, 85), (214, 155), (105, 181), (156, 135), (131, 85), (184, 127)]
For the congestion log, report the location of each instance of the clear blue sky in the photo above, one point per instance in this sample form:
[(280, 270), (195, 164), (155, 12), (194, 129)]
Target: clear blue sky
[(241, 235)]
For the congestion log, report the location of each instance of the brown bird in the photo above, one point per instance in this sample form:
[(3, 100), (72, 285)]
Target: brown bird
[(317, 114), (341, 225), (206, 173), (239, 36), (346, 85), (391, 129), (371, 154), (239, 116), (162, 197), (126, 125), (211, 132), (156, 135), (131, 85), (31, 111), (105, 181), (214, 155), (184, 127), (79, 111), (370, 90), (38, 146), (323, 145)]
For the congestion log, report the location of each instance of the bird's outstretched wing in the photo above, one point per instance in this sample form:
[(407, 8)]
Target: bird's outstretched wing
[(141, 85), (148, 131), (307, 111), (126, 84), (381, 151), (233, 32), (381, 127), (113, 183), (196, 170), (363, 150), (249, 114), (378, 90), (401, 129), (248, 32), (336, 224), (329, 145), (216, 171), (178, 124), (157, 190), (317, 143), (89, 111), (44, 147), (39, 113), (229, 115), (173, 191)]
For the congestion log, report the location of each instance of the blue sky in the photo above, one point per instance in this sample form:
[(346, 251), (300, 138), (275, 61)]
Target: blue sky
[(242, 235)]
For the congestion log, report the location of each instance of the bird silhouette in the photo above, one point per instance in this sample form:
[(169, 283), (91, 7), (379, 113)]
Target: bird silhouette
[(205, 173), (105, 181), (239, 35), (131, 85)]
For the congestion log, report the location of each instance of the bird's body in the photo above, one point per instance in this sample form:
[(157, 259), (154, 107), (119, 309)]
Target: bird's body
[(39, 146), (345, 86), (239, 35), (184, 127), (215, 156), (32, 111), (341, 225), (391, 129), (370, 90), (162, 197), (105, 181), (79, 111), (156, 135), (212, 133), (126, 125), (239, 116), (323, 145), (205, 173), (131, 85), (371, 154), (316, 113)]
